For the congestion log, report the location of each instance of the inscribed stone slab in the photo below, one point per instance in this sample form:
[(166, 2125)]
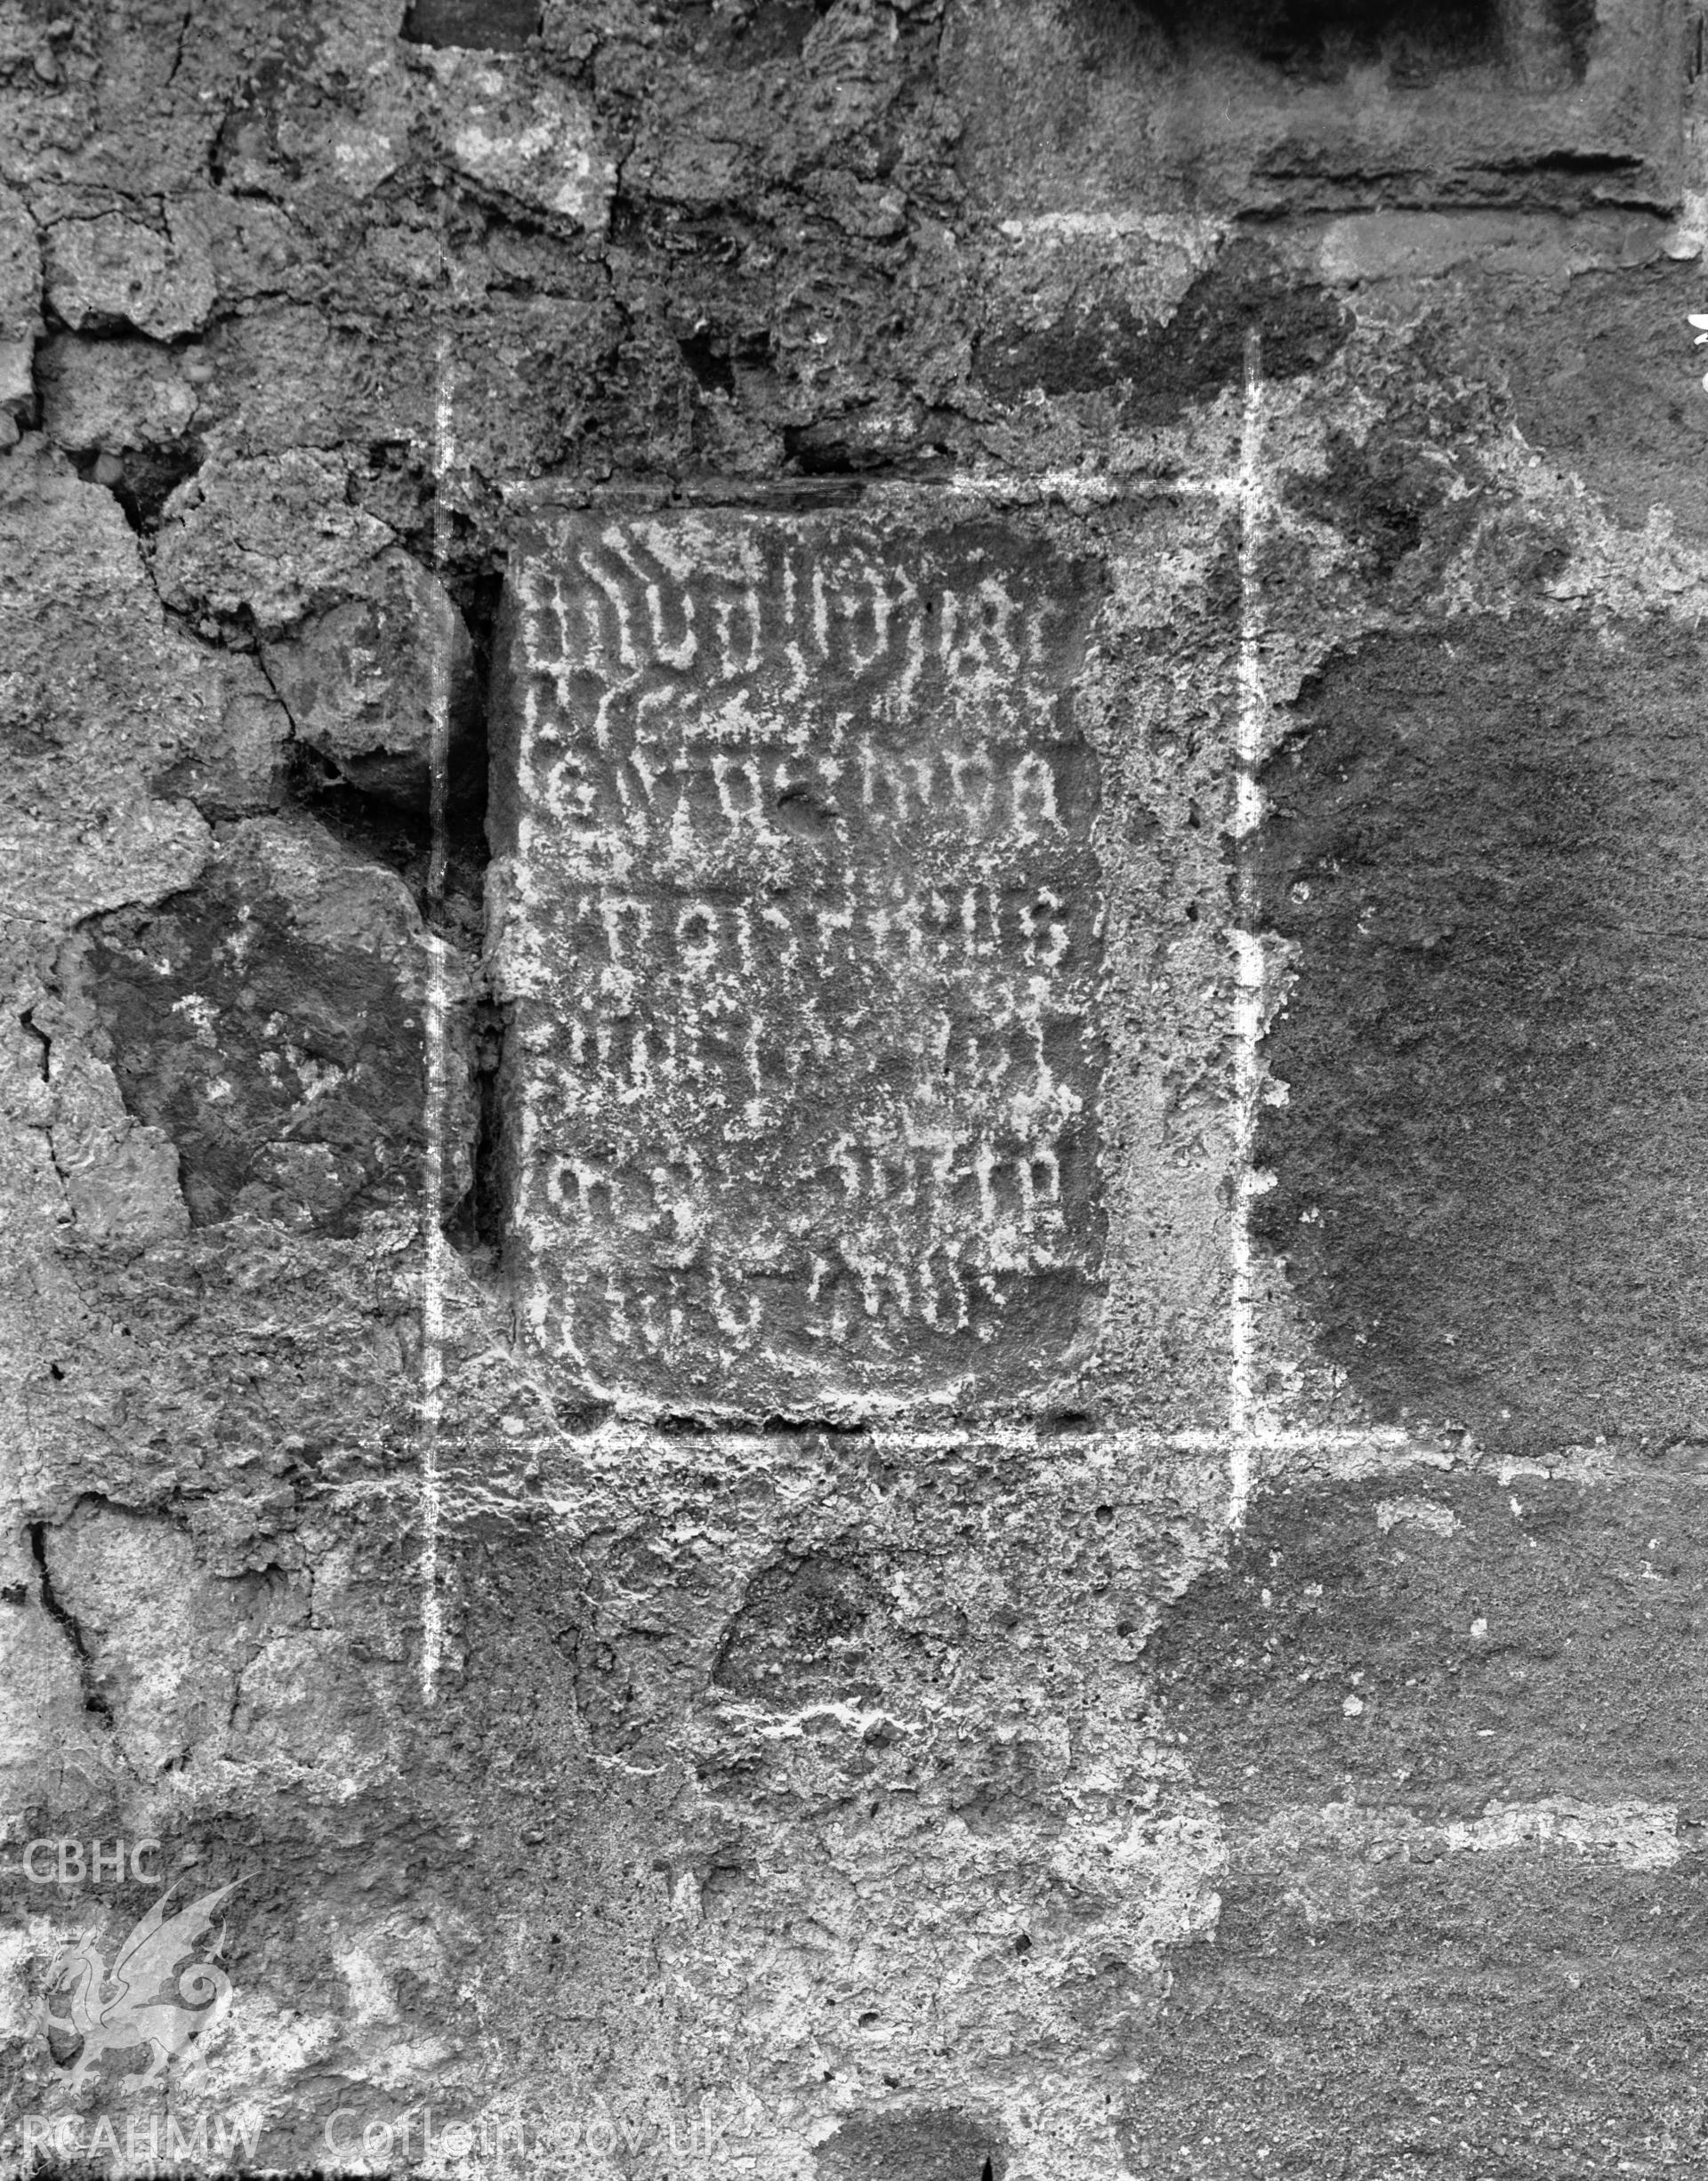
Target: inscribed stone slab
[(803, 946)]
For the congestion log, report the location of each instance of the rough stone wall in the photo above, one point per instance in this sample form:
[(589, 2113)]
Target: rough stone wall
[(852, 1247)]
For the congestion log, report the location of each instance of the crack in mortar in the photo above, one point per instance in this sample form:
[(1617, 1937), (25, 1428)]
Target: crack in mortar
[(32, 1029)]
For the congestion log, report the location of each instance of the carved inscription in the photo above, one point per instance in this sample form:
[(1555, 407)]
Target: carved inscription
[(803, 945)]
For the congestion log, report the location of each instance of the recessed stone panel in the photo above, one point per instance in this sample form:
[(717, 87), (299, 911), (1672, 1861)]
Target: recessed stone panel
[(1485, 841), (1272, 107), (803, 939)]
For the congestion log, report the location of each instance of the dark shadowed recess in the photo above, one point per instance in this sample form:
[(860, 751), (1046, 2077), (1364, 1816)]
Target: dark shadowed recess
[(1309, 33), (1385, 495), (747, 37), (1156, 372), (477, 1224), (396, 830), (1416, 37), (142, 479), (1489, 845), (487, 25), (941, 2144), (287, 1072), (392, 823)]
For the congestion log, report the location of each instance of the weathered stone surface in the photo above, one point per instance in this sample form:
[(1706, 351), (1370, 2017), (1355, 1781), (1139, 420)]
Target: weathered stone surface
[(41, 1699), (371, 684), (510, 370), (527, 139), (1601, 383), (1453, 1734), (317, 120), (119, 1176), (1141, 1743), (17, 387), (21, 308), (20, 271), (803, 952), (270, 1023), (114, 271), (96, 695), (936, 2146), (124, 1576), (1500, 1642), (805, 1629), (1483, 840), (236, 767), (115, 394), (273, 539), (1238, 107), (1094, 344)]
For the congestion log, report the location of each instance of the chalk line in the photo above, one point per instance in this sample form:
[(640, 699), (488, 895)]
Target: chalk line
[(1243, 1416), (433, 1275)]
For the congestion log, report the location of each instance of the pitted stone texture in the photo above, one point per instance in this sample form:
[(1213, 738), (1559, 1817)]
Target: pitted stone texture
[(236, 768), (98, 694), (1459, 1759), (21, 311), (115, 393), (20, 271), (41, 1702), (166, 1641), (804, 948), (113, 271), (933, 2144), (523, 137), (120, 1176), (272, 538)]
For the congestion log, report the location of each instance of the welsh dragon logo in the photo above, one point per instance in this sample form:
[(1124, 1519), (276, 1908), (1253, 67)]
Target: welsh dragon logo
[(143, 1999)]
